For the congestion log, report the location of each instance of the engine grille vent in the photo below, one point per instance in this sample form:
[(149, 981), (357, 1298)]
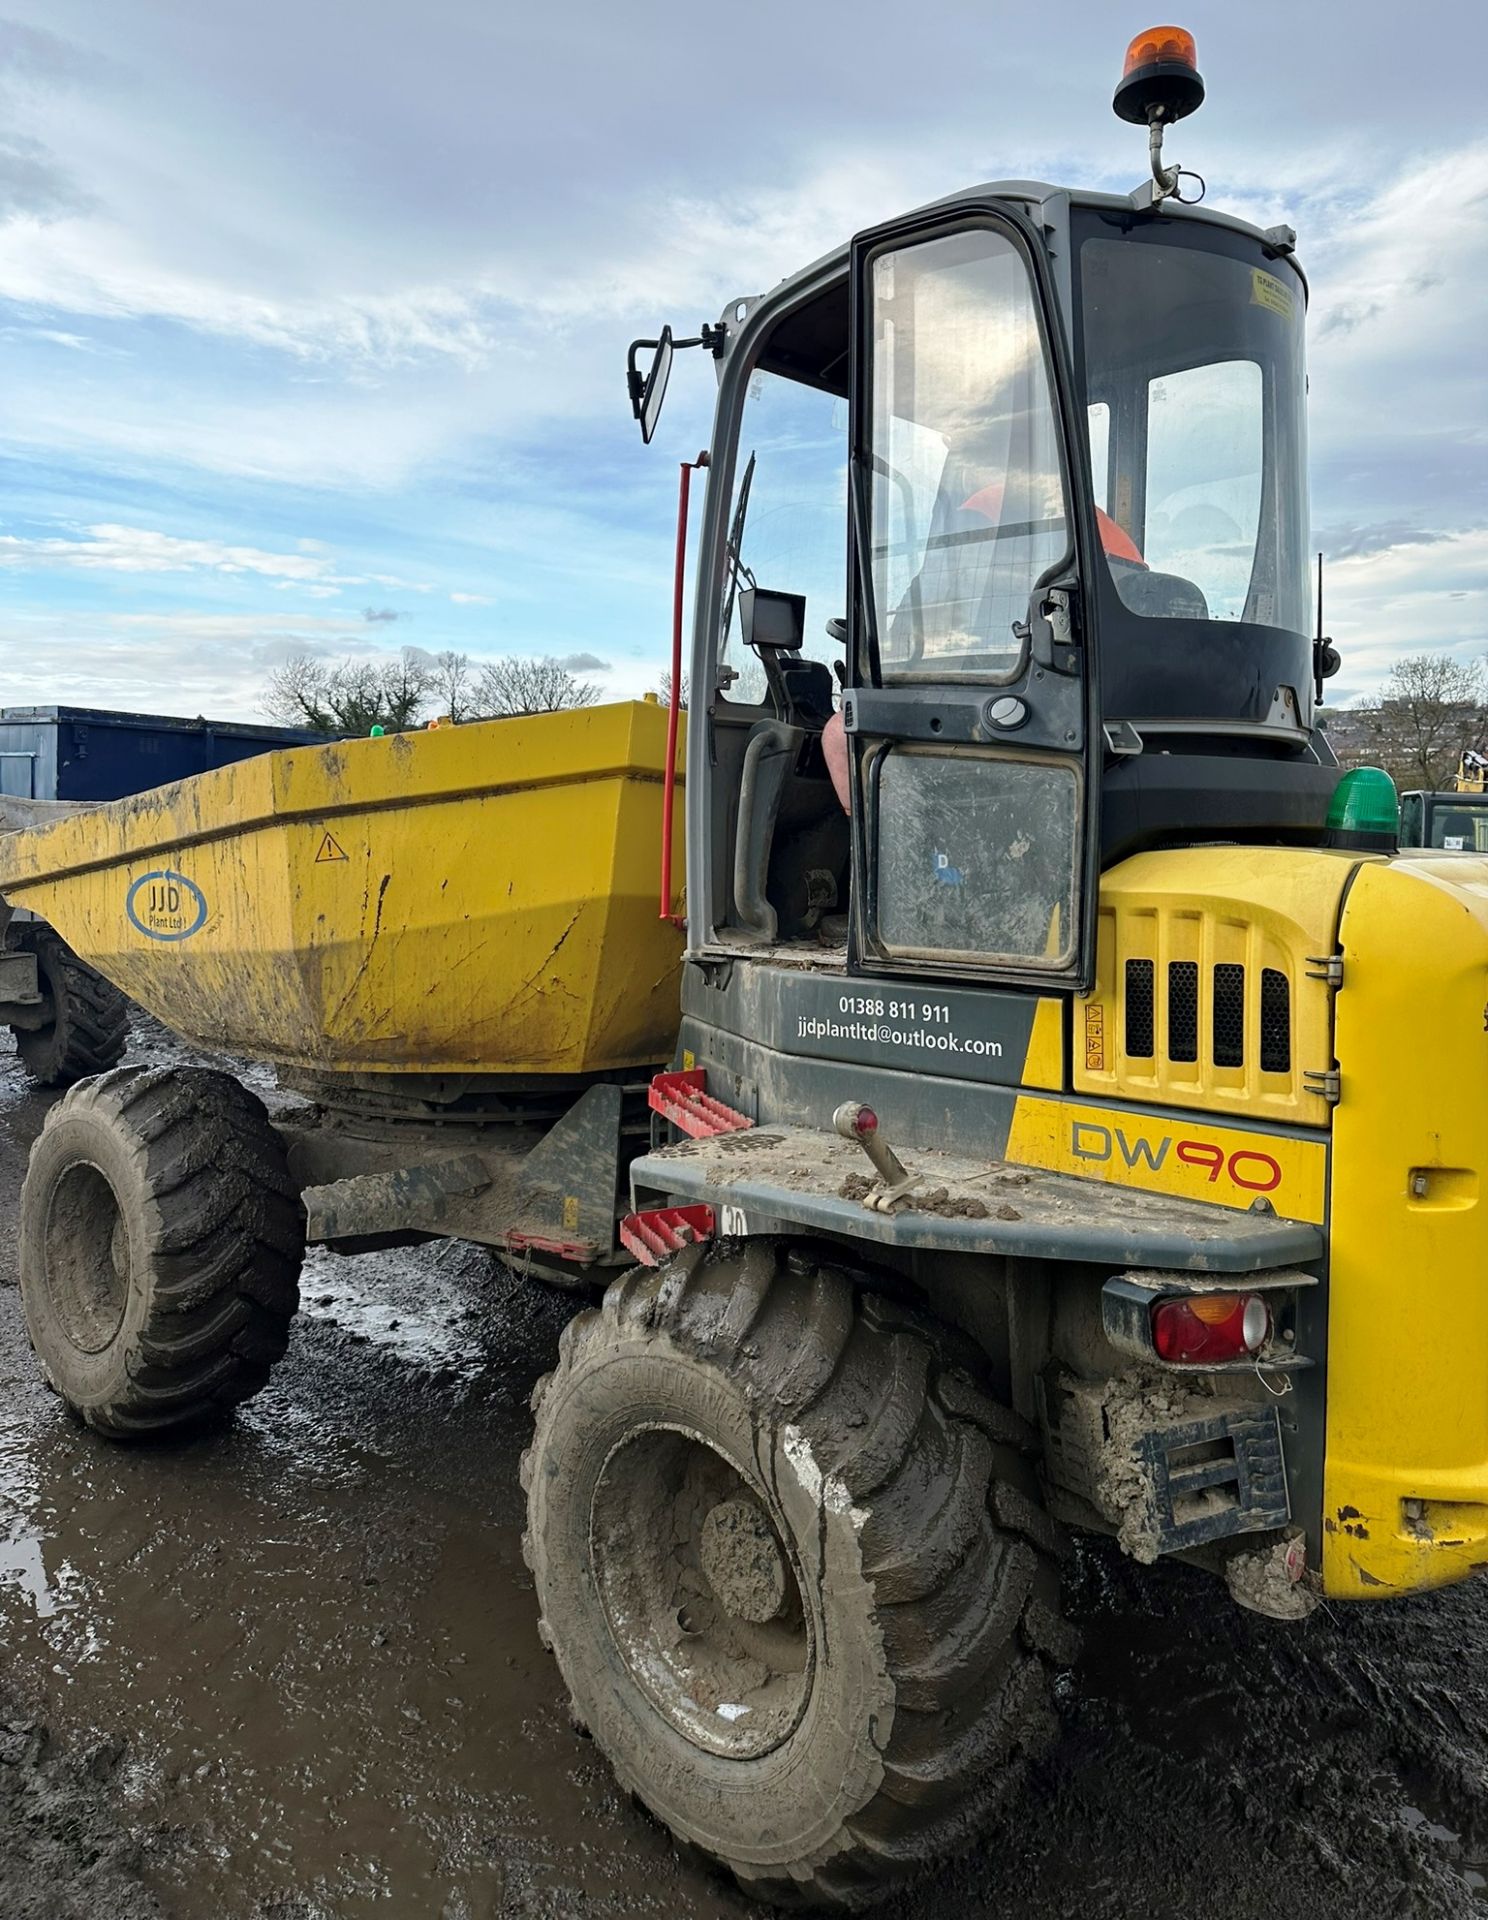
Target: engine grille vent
[(1276, 1021), (1229, 1016), (1226, 1014), (1210, 1002), (1139, 1027), (1183, 1010)]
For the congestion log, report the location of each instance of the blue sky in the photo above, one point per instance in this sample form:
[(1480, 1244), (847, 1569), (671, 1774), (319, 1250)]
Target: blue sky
[(313, 317)]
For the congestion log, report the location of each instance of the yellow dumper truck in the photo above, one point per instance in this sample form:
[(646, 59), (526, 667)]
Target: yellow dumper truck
[(1057, 1114)]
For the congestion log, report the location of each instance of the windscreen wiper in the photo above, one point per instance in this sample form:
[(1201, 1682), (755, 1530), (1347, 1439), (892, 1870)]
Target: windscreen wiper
[(733, 552)]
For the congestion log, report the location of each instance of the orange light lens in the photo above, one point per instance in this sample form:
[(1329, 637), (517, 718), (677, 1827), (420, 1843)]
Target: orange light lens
[(1212, 1308), (1161, 43)]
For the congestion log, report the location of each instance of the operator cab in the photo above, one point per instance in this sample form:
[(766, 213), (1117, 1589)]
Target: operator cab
[(1446, 822), (1007, 526)]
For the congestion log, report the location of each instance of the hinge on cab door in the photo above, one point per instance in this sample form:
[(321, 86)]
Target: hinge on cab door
[(1327, 1083)]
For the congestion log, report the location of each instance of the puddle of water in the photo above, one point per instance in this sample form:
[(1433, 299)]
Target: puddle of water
[(22, 1565), (1428, 1814), (415, 1303), (315, 1627), (1429, 1829)]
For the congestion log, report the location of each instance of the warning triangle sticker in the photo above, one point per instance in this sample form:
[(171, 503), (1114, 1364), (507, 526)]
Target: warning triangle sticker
[(330, 849)]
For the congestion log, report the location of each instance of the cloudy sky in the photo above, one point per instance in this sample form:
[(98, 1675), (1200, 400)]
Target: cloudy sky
[(313, 316)]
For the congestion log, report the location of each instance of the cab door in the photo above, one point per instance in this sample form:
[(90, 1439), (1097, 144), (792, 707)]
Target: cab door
[(970, 703)]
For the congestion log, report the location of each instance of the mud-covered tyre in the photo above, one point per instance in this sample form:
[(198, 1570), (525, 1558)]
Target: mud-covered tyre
[(793, 1566), (89, 1027), (160, 1246)]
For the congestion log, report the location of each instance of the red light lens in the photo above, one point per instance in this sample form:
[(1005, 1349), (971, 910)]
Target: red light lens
[(1209, 1327), (1161, 43), (866, 1122)]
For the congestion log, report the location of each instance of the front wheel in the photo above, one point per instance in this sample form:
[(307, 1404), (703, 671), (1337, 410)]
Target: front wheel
[(793, 1568), (161, 1239)]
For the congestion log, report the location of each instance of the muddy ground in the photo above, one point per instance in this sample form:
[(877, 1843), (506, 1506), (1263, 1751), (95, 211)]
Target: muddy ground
[(290, 1670)]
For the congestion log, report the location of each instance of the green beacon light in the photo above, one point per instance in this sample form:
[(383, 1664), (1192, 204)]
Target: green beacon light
[(1364, 811), (375, 732)]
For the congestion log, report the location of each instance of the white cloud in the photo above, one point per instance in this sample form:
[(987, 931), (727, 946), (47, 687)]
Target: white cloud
[(470, 599), (94, 264), (119, 549), (1421, 596), (106, 548), (54, 336), (184, 663)]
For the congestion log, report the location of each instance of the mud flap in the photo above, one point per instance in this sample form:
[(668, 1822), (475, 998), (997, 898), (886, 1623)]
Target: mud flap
[(569, 1186), (1171, 1467)]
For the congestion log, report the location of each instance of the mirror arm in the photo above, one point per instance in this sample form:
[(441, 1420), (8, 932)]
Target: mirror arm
[(711, 337)]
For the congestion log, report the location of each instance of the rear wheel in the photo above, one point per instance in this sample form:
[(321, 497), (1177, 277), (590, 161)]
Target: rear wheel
[(89, 1026), (160, 1242), (794, 1570)]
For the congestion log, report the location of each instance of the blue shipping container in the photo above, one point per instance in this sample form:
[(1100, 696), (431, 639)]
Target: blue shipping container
[(84, 753)]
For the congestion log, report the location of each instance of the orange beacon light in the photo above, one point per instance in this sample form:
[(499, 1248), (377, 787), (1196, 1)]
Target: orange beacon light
[(1160, 78)]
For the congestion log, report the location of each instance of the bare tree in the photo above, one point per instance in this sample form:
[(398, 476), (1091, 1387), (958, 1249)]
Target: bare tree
[(1431, 709), (403, 688), (664, 689), (298, 694), (350, 696), (451, 685), (513, 686)]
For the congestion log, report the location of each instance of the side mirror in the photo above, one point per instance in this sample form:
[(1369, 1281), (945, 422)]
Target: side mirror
[(648, 390)]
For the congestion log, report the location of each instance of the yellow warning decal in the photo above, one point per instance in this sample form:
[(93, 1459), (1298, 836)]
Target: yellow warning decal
[(330, 849), (1269, 292), (1171, 1153), (1095, 1037)]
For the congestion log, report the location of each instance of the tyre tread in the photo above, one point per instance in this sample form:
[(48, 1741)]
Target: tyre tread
[(224, 1235), (91, 1027), (962, 1556)]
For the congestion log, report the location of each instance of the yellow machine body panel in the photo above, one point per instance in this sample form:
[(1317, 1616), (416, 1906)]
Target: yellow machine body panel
[(1184, 916), (1366, 1119), (1192, 1159), (474, 899), (1406, 1473), (1141, 1104)]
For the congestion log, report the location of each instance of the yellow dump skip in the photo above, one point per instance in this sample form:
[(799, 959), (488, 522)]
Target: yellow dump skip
[(474, 899)]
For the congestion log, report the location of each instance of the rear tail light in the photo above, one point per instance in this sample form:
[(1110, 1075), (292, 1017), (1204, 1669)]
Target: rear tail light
[(1206, 1327)]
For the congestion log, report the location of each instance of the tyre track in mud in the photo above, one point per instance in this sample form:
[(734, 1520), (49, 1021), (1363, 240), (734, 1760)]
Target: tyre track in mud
[(290, 1671)]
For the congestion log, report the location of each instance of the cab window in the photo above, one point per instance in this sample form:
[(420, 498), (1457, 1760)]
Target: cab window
[(968, 507), (1194, 386), (787, 522)]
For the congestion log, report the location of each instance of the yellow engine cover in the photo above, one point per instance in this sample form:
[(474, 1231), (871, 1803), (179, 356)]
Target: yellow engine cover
[(1405, 1501), (475, 899)]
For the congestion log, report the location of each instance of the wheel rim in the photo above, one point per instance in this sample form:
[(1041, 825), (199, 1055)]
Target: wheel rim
[(701, 1593), (87, 1258)]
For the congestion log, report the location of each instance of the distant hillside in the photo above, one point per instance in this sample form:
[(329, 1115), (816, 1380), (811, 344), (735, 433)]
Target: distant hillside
[(1417, 745)]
